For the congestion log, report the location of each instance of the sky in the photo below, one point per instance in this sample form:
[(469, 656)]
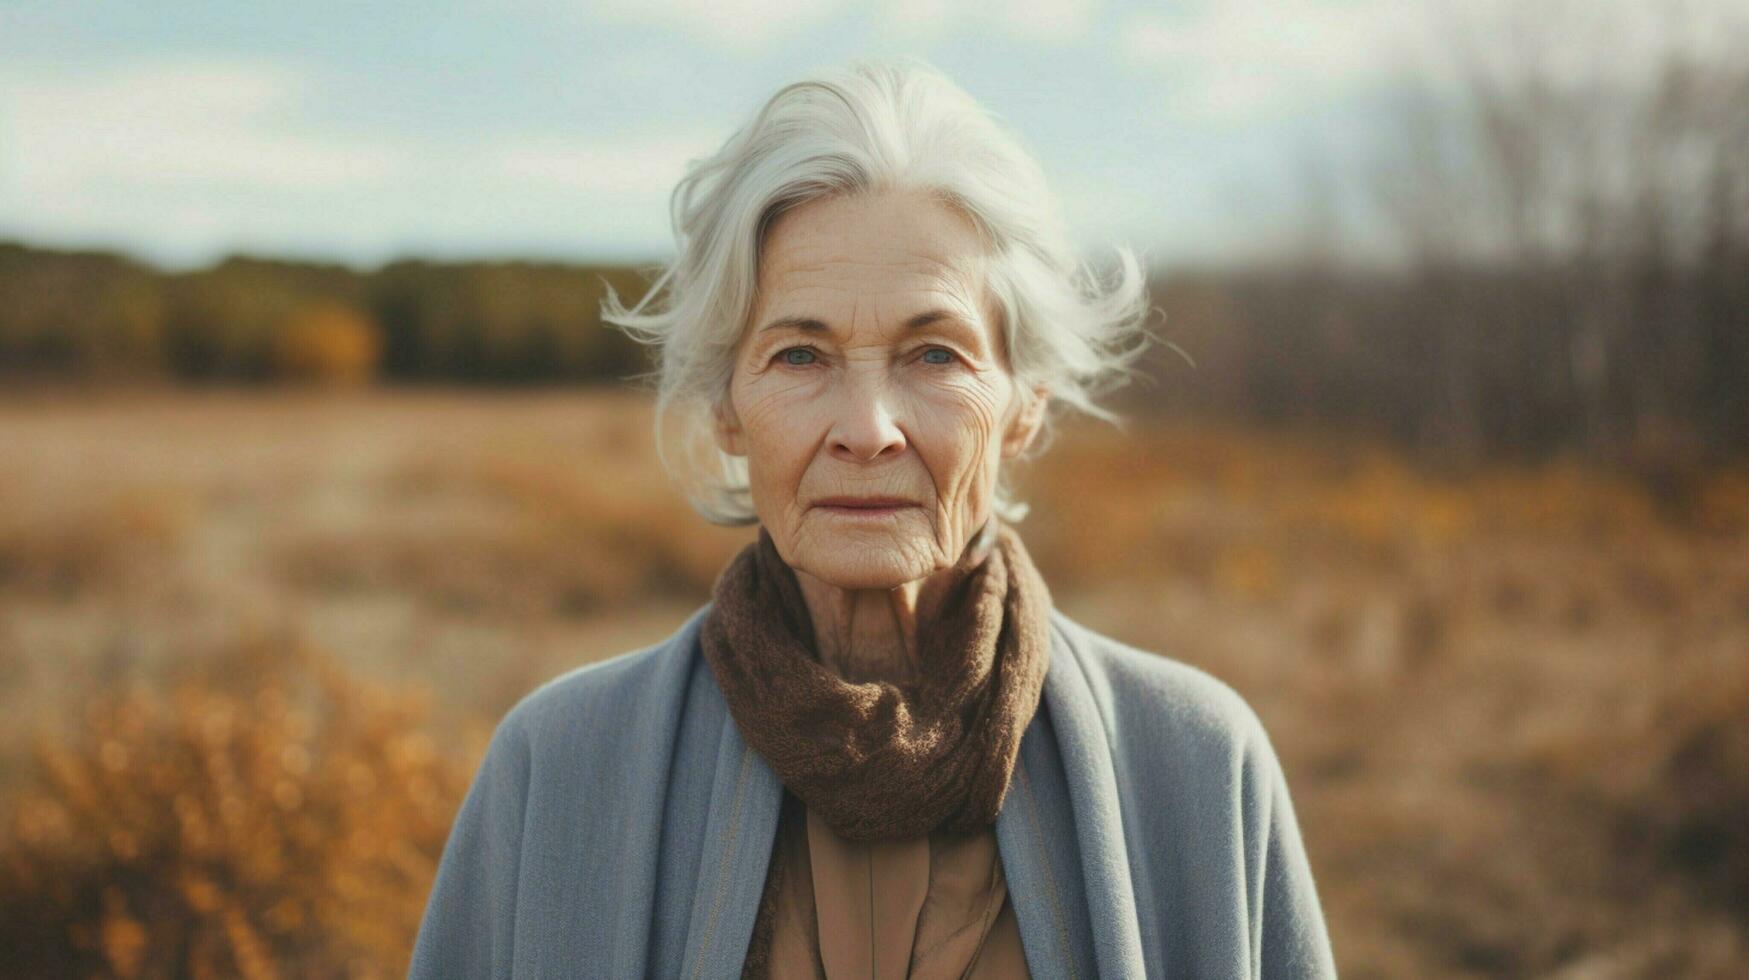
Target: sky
[(180, 132)]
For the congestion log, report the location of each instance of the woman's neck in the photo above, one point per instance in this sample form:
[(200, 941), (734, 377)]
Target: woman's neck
[(865, 634), (871, 634)]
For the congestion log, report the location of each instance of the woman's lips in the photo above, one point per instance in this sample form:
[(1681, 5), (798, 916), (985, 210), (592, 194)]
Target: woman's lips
[(865, 510), (862, 511)]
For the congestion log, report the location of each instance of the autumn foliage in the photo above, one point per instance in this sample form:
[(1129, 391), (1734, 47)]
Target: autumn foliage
[(1512, 704), (329, 343), (267, 816)]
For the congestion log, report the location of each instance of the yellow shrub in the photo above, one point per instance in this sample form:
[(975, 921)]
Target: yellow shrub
[(329, 343), (272, 817)]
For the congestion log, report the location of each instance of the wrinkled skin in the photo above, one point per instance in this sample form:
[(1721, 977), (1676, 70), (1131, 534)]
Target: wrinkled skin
[(872, 406)]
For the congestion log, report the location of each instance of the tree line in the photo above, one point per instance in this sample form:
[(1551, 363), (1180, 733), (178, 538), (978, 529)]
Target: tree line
[(1538, 254), (1544, 248), (84, 315)]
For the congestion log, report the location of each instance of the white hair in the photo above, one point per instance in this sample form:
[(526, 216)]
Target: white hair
[(875, 125)]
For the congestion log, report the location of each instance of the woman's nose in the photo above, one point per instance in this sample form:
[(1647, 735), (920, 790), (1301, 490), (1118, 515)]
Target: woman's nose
[(865, 426)]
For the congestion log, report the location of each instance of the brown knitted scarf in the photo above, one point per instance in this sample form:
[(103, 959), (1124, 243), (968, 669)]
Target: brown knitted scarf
[(880, 760)]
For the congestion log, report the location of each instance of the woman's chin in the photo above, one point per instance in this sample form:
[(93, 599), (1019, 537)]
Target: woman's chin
[(866, 561)]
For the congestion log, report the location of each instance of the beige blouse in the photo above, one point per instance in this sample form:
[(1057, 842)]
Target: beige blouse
[(931, 907)]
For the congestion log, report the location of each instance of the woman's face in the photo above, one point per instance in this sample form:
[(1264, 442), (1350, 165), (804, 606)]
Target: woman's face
[(872, 368)]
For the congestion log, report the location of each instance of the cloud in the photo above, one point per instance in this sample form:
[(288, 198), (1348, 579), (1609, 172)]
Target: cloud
[(745, 25), (1234, 61), (189, 158), (751, 26), (1036, 21), (156, 122), (646, 163)]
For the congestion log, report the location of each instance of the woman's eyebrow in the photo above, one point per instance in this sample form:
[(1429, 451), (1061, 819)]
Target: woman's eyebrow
[(811, 325)]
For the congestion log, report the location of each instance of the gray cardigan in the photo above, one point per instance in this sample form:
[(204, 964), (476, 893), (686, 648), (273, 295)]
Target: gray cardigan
[(620, 827)]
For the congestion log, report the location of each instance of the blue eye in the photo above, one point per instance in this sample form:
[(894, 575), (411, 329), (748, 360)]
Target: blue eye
[(796, 350), (949, 359)]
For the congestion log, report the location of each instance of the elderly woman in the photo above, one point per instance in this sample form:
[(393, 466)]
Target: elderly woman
[(878, 751)]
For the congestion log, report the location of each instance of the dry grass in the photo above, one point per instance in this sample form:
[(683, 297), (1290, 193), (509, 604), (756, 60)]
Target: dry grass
[(97, 539), (265, 815), (529, 537), (1513, 706)]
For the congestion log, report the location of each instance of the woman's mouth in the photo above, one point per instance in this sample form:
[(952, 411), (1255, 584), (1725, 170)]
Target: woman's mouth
[(868, 508)]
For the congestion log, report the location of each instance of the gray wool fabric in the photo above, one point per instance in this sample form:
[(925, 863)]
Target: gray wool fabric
[(620, 826)]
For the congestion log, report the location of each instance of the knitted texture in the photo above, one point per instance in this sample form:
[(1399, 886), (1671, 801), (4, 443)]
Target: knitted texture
[(882, 760)]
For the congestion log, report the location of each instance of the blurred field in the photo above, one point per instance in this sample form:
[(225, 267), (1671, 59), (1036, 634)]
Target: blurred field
[(251, 644)]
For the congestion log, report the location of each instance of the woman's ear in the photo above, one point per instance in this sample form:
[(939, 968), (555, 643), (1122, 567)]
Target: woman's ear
[(1027, 422), (726, 429)]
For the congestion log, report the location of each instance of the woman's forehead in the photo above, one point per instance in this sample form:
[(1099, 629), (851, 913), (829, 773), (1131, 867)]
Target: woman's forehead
[(898, 236), (883, 254)]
